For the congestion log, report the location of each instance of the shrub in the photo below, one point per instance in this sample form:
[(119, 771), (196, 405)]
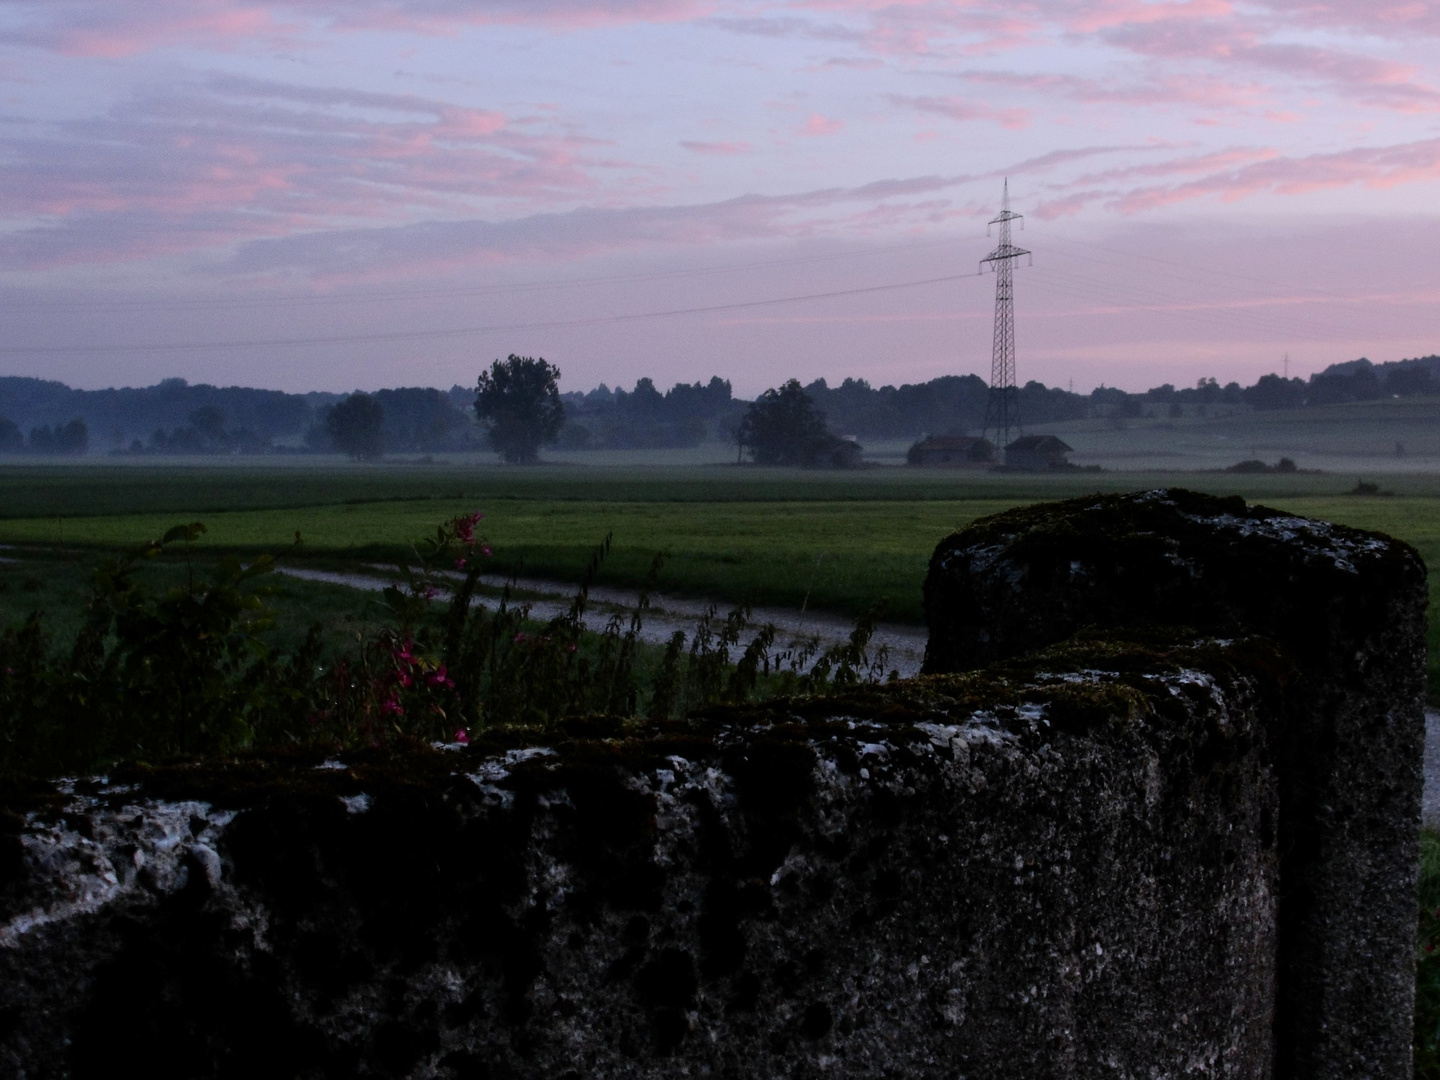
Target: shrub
[(188, 671)]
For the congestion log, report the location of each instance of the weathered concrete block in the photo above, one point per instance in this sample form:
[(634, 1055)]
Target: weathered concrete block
[(1348, 610), (1061, 869)]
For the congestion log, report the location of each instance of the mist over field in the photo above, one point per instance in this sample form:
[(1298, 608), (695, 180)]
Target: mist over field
[(1377, 417)]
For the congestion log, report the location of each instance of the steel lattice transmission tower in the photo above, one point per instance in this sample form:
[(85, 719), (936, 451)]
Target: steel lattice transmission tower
[(1002, 409)]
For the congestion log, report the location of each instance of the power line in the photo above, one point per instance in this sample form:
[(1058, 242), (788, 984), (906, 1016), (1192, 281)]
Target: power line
[(1144, 299), (1288, 299), (1200, 269), (465, 331), (467, 291)]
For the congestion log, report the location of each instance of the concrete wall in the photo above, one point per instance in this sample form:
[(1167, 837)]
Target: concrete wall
[(1344, 734)]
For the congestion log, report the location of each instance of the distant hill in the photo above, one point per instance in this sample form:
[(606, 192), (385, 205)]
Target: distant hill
[(116, 417), (176, 416), (1350, 367)]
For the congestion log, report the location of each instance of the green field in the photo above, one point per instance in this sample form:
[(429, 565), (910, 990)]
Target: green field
[(834, 541)]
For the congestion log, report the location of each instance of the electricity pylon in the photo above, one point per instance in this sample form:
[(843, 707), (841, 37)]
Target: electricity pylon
[(1002, 408)]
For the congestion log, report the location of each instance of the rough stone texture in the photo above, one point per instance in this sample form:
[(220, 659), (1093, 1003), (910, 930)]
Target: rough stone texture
[(1060, 870), (1348, 610)]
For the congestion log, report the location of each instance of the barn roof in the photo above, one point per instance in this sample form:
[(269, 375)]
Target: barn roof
[(950, 442), (1039, 444)]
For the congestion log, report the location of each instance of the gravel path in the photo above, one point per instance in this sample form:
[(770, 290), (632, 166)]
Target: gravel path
[(670, 613)]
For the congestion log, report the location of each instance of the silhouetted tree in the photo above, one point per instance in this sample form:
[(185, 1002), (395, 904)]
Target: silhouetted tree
[(519, 398), (356, 426), (419, 418), (1408, 379), (209, 421), (71, 438), (1273, 392), (783, 427), (12, 440)]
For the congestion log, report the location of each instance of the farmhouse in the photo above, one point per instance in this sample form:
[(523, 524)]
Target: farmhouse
[(1036, 452), (952, 451)]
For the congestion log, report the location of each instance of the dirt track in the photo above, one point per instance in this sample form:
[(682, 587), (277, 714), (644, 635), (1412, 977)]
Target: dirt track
[(667, 614)]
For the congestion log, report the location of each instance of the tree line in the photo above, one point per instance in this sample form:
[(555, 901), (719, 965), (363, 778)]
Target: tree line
[(175, 417), (71, 438)]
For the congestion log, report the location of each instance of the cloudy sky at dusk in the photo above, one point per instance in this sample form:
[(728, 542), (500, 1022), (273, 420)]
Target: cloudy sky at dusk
[(332, 194)]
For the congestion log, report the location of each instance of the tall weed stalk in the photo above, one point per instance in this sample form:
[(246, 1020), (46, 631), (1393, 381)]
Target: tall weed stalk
[(188, 670)]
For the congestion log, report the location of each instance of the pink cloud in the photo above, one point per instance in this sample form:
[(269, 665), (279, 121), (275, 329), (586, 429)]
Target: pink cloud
[(721, 149), (1391, 18), (1200, 163), (1094, 17), (1379, 82), (820, 125), (854, 63), (883, 206), (1153, 89), (1056, 158), (963, 109), (1207, 32), (105, 28), (1275, 174), (85, 28), (221, 160)]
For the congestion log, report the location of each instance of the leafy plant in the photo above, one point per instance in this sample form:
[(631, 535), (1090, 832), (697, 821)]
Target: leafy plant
[(182, 671), (188, 670)]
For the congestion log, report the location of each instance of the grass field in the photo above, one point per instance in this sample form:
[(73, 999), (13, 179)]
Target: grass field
[(102, 489), (833, 541)]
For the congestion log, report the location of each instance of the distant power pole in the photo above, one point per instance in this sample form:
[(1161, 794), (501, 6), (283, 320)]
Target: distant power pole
[(1002, 408)]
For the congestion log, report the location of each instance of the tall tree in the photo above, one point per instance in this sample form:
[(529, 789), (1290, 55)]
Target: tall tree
[(356, 426), (519, 398), (12, 440), (783, 427)]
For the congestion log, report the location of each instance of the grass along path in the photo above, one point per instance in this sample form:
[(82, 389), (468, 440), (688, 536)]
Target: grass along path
[(834, 556)]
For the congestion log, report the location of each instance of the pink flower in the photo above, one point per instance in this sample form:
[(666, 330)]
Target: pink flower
[(439, 678), (520, 637), (405, 679), (392, 707), (572, 646), (465, 526), (460, 736), (460, 563), (431, 592), (486, 549), (404, 652)]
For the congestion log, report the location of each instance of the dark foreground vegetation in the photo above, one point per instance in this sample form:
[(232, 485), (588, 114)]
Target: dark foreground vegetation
[(189, 670)]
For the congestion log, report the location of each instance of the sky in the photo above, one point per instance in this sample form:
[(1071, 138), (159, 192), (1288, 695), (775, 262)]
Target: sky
[(350, 194)]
